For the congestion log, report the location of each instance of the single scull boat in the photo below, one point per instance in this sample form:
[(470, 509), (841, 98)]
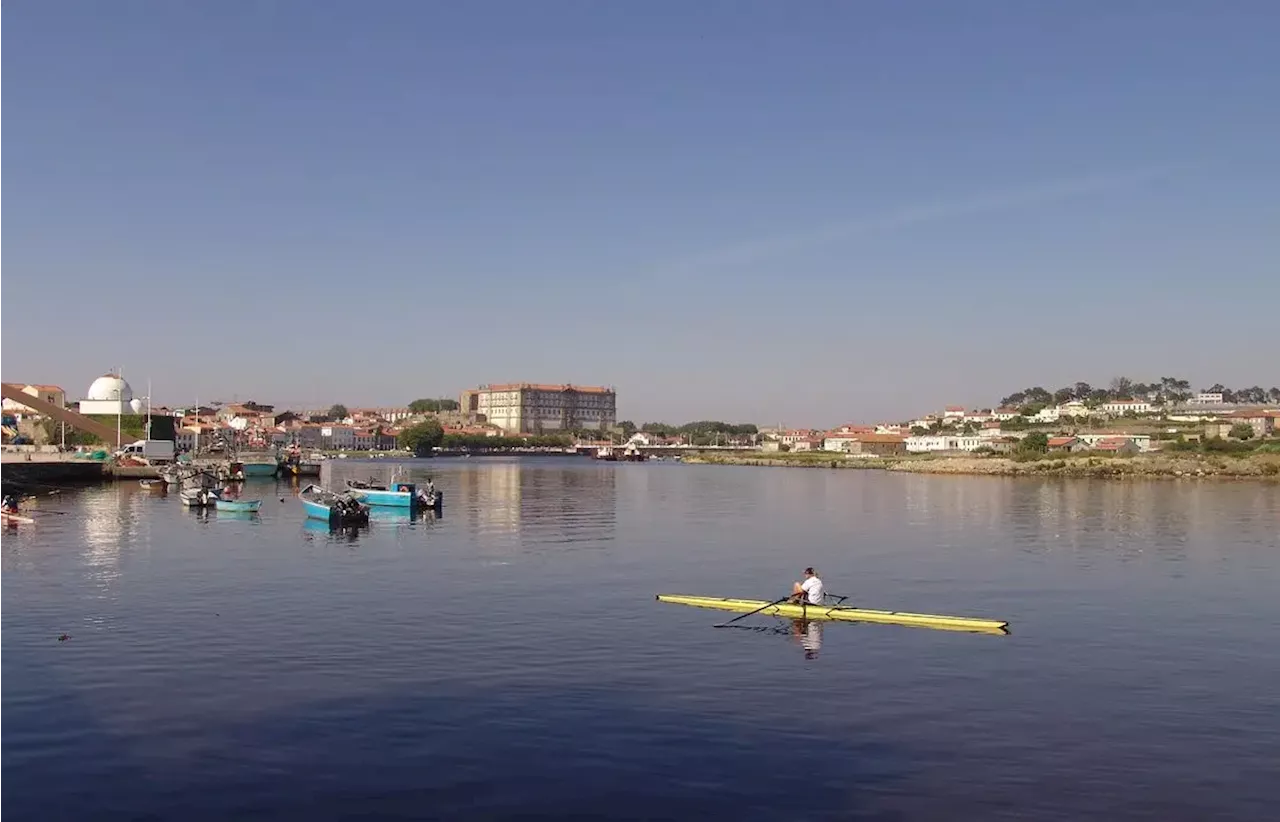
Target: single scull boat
[(845, 613)]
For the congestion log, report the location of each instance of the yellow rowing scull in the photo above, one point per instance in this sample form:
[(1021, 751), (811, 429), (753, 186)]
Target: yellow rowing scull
[(844, 613)]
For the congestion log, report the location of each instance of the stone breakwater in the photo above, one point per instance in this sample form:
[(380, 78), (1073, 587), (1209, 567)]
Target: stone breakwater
[(1255, 466)]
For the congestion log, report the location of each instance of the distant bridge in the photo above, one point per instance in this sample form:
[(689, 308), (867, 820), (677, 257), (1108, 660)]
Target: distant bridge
[(80, 422)]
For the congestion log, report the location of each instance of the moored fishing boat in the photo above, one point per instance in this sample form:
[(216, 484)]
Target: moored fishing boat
[(258, 463), (247, 506), (396, 495), (843, 613), (198, 497), (337, 509), (299, 468)]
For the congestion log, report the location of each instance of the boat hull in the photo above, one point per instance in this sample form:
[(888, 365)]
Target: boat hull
[(841, 614), (247, 506), (259, 469), (318, 505), (16, 519), (388, 499)]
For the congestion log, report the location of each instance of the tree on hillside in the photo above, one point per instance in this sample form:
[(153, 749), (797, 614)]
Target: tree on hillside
[(627, 427), (337, 411), (1242, 431), (1121, 388), (1037, 442), (421, 438), (432, 406)]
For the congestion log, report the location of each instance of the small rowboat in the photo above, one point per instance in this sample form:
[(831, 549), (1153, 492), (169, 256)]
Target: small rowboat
[(15, 519), (844, 613), (248, 506)]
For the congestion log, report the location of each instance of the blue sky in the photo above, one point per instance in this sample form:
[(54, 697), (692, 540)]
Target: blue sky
[(807, 213)]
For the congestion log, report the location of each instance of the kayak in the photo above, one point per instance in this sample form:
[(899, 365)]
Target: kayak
[(844, 613), (15, 519)]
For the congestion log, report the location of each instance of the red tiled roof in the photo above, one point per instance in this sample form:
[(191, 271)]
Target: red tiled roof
[(1053, 441), (955, 408)]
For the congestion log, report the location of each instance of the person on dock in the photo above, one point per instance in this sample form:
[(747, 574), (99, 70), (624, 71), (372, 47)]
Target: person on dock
[(810, 590)]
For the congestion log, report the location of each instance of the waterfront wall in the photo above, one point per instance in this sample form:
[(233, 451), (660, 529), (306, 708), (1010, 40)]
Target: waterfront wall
[(21, 474)]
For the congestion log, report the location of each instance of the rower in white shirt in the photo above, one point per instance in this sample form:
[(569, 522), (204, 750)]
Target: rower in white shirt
[(810, 590)]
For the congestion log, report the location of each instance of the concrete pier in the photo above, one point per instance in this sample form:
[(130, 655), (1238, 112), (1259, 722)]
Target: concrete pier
[(28, 469)]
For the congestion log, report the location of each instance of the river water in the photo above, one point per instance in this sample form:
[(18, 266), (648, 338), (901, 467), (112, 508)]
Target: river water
[(508, 660)]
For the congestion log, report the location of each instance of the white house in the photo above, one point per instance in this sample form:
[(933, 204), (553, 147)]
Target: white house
[(1073, 408), (839, 442), (1121, 407), (1143, 441), (953, 412), (1046, 414), (1005, 414), (1207, 398), (945, 442)]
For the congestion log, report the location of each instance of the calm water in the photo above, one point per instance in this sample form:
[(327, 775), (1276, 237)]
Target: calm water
[(509, 661)]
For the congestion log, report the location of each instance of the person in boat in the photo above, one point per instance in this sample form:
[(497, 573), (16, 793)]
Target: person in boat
[(430, 487), (10, 504), (810, 590)]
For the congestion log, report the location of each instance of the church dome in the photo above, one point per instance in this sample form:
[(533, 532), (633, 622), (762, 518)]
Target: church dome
[(110, 388)]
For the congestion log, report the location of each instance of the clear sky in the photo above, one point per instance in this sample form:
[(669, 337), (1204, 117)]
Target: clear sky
[(800, 212)]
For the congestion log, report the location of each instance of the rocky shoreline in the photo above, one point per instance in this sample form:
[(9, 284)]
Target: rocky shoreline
[(1149, 466)]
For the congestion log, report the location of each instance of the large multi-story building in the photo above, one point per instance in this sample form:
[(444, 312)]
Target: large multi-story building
[(530, 408)]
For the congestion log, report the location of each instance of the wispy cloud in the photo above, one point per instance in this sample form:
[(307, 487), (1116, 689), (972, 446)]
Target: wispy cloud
[(993, 201)]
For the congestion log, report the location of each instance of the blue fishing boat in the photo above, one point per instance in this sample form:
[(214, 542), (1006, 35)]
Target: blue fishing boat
[(337, 509), (258, 463), (247, 506), (395, 495)]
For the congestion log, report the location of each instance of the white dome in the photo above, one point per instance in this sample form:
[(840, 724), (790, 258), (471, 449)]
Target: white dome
[(111, 388)]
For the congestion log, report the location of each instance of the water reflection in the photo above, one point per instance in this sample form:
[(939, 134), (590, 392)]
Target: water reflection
[(809, 634)]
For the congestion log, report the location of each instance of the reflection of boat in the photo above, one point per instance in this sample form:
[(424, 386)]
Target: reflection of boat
[(198, 497), (153, 484), (844, 613), (248, 506), (337, 509)]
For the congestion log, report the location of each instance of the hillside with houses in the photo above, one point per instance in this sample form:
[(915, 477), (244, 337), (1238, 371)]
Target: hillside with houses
[(1128, 417)]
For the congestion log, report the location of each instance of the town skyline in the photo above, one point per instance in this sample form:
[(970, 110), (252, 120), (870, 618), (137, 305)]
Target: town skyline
[(1108, 387)]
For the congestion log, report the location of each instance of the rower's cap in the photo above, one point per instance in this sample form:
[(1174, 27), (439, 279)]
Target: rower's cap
[(810, 571)]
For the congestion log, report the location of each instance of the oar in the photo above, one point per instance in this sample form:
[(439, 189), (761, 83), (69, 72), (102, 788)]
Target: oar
[(756, 611)]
